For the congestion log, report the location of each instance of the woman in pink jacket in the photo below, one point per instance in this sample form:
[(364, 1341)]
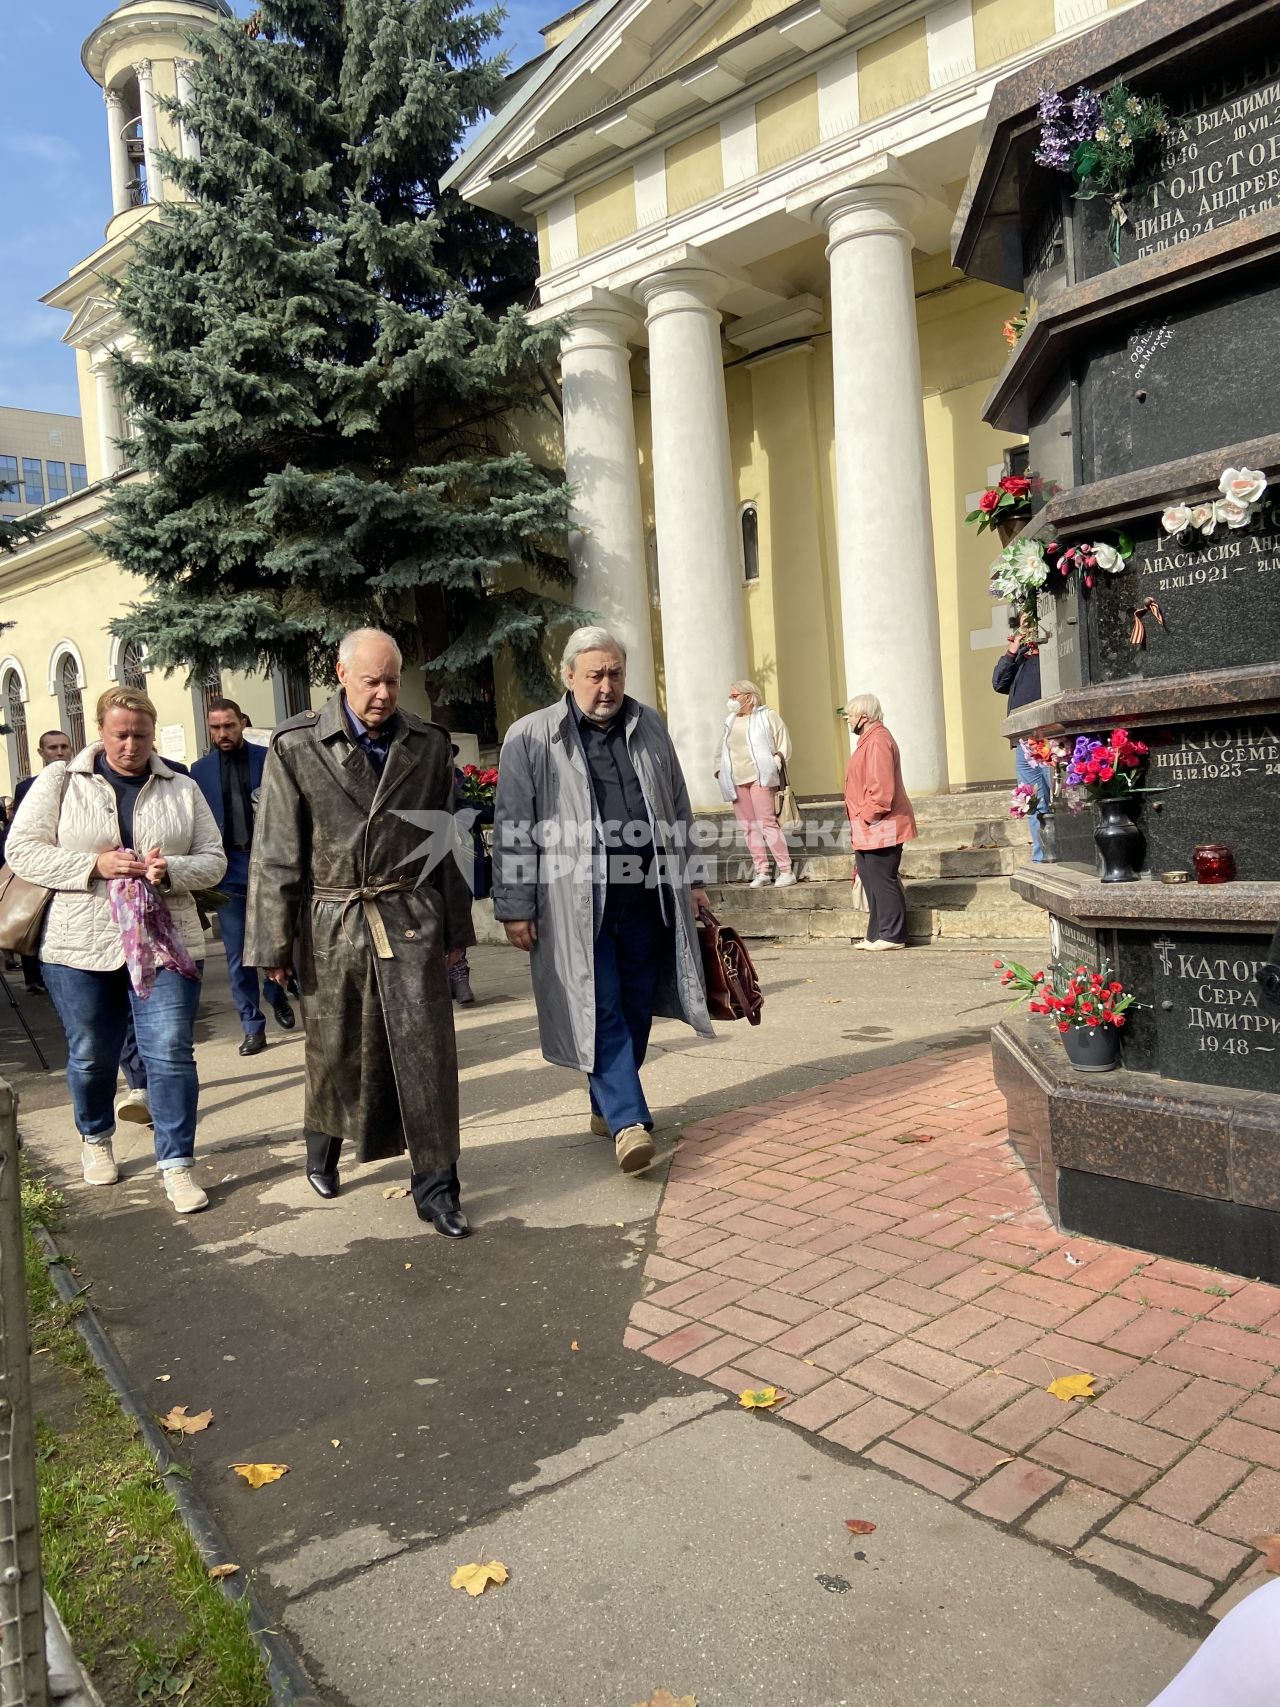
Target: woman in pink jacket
[(880, 821)]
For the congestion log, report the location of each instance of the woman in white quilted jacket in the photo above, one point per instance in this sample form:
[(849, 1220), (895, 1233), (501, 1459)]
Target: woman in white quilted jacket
[(115, 811), (753, 759)]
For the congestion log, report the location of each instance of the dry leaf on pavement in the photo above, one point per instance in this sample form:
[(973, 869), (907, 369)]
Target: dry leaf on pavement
[(217, 1572), (164, 1377), (859, 1526), (1269, 1547), (178, 1422), (476, 1578), (258, 1475), (1068, 1387), (396, 1191), (759, 1398), (335, 1443), (574, 1346), (408, 1265), (664, 1698)]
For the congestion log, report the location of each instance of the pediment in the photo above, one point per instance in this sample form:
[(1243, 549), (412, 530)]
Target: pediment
[(630, 71), (96, 321)]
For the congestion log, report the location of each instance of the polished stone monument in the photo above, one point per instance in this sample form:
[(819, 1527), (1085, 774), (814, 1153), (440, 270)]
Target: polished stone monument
[(1137, 382)]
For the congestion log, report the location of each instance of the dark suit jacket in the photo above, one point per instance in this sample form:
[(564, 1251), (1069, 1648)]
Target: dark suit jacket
[(208, 776)]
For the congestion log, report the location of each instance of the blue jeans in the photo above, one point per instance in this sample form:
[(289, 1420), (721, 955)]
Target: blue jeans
[(1026, 770), (95, 1008), (244, 979), (630, 944), (131, 1063)]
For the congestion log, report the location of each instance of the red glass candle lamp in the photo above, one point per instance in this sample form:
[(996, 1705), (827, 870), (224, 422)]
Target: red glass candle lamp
[(1214, 863)]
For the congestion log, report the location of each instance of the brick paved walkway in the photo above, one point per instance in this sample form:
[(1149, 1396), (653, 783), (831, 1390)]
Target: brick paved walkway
[(914, 1301)]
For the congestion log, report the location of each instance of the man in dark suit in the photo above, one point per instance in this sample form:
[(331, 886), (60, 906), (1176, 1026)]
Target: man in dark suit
[(229, 776), (53, 747)]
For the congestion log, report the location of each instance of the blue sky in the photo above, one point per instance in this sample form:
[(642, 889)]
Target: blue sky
[(53, 156)]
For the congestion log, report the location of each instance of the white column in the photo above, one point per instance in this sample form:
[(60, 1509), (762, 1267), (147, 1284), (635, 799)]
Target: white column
[(150, 135), (888, 587), (117, 152), (188, 143), (606, 544), (109, 424), (704, 642)]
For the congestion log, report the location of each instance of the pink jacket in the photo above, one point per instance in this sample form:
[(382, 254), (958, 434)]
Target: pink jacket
[(880, 814)]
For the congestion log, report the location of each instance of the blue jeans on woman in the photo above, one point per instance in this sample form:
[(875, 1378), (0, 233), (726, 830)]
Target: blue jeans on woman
[(95, 1008), (1038, 776)]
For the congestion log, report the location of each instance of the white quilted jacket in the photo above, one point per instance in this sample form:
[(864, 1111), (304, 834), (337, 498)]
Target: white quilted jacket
[(60, 850)]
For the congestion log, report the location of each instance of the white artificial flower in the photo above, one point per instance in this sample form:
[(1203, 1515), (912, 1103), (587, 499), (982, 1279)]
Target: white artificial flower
[(1204, 517), (1247, 484), (1176, 519), (1108, 559), (1233, 512)]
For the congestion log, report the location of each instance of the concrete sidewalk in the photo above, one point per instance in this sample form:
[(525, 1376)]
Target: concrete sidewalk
[(430, 1402)]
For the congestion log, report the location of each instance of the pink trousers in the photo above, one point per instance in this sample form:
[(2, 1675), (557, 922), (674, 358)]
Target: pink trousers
[(754, 811)]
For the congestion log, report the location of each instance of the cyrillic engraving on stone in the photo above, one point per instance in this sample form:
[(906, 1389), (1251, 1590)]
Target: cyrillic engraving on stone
[(1212, 1019), (1216, 754), (1072, 946)]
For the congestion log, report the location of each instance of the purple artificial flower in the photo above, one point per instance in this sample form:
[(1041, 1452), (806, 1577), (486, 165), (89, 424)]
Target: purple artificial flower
[(1083, 751), (1086, 114)]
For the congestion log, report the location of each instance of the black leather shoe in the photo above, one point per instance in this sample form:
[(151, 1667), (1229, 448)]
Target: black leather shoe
[(284, 1015), (446, 1218), (324, 1185), (254, 1043)]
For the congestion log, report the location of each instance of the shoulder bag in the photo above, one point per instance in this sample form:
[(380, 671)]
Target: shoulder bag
[(23, 905), (785, 809), (733, 990)]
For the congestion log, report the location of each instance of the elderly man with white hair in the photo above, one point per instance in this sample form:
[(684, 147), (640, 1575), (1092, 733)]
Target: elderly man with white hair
[(594, 879), (347, 886)]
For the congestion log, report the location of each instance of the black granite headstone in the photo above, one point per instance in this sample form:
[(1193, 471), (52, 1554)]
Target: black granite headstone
[(1219, 597), (1210, 1021), (1072, 946), (1222, 165), (1217, 782)]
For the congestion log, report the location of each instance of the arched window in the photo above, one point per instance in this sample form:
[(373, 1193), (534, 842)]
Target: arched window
[(749, 523), (131, 672), (70, 700), (13, 711)]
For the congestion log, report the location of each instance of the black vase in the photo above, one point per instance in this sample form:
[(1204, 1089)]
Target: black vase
[(1048, 838), (1119, 842), (1092, 1048)]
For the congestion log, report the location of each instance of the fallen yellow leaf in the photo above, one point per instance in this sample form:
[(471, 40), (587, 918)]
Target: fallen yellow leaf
[(664, 1697), (1269, 1547), (408, 1265), (476, 1578), (759, 1399), (574, 1346), (1068, 1387), (178, 1422), (396, 1191), (258, 1475), (164, 1377), (217, 1572), (335, 1443)]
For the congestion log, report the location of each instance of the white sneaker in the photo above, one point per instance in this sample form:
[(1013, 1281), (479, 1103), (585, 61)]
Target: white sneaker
[(182, 1190), (760, 880), (783, 879), (881, 944), (134, 1106), (98, 1163)]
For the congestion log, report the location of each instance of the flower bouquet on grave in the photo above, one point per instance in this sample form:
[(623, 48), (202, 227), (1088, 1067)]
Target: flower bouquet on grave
[(477, 787), (1088, 1009), (1016, 325), (1018, 574), (1242, 491), (1105, 774), (1090, 558), (1024, 800), (1111, 145), (1004, 507)]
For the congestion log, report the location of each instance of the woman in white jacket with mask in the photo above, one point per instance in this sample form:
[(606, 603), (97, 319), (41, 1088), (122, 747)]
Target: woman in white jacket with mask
[(753, 754)]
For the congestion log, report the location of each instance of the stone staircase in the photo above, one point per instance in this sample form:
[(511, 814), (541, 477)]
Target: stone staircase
[(956, 876)]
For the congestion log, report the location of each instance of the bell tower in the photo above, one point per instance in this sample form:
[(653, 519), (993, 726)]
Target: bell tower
[(138, 55)]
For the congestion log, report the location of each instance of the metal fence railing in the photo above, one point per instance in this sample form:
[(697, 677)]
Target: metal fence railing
[(23, 1679)]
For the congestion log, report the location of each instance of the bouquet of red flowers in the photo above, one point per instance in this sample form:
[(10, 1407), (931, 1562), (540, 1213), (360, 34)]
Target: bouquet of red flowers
[(1102, 769), (478, 787), (1086, 999), (1007, 501)]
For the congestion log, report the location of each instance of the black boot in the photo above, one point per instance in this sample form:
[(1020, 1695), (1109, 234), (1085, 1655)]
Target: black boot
[(435, 1197), (322, 1163)]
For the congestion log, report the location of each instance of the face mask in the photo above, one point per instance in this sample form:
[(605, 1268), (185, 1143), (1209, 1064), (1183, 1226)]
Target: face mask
[(732, 705)]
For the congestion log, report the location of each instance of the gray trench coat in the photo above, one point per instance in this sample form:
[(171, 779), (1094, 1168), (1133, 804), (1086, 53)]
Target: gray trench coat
[(543, 781), (382, 1068)]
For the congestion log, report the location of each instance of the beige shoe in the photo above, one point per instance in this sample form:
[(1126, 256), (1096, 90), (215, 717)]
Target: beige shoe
[(881, 944), (133, 1105), (600, 1126), (182, 1191), (98, 1163), (634, 1149)]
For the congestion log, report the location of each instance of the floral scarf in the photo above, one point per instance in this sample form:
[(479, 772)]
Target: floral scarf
[(147, 934)]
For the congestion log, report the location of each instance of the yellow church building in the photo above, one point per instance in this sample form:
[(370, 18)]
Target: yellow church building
[(772, 378)]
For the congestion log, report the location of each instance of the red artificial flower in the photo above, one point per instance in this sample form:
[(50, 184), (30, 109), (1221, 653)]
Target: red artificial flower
[(1016, 485), (1064, 1028), (1117, 1019), (989, 499)]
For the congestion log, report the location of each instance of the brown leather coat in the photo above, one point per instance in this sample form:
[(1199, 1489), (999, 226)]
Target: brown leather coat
[(382, 1068)]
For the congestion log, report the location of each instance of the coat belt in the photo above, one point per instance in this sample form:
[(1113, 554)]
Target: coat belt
[(366, 897)]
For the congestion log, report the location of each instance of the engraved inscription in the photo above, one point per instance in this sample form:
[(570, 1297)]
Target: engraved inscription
[(1218, 753), (1072, 946), (1145, 345), (1218, 1006), (1168, 566), (1226, 164)]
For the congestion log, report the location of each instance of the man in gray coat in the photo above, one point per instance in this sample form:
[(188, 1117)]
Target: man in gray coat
[(339, 890), (593, 879)]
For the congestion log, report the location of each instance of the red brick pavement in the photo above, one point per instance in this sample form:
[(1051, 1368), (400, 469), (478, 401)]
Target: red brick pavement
[(913, 1300)]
